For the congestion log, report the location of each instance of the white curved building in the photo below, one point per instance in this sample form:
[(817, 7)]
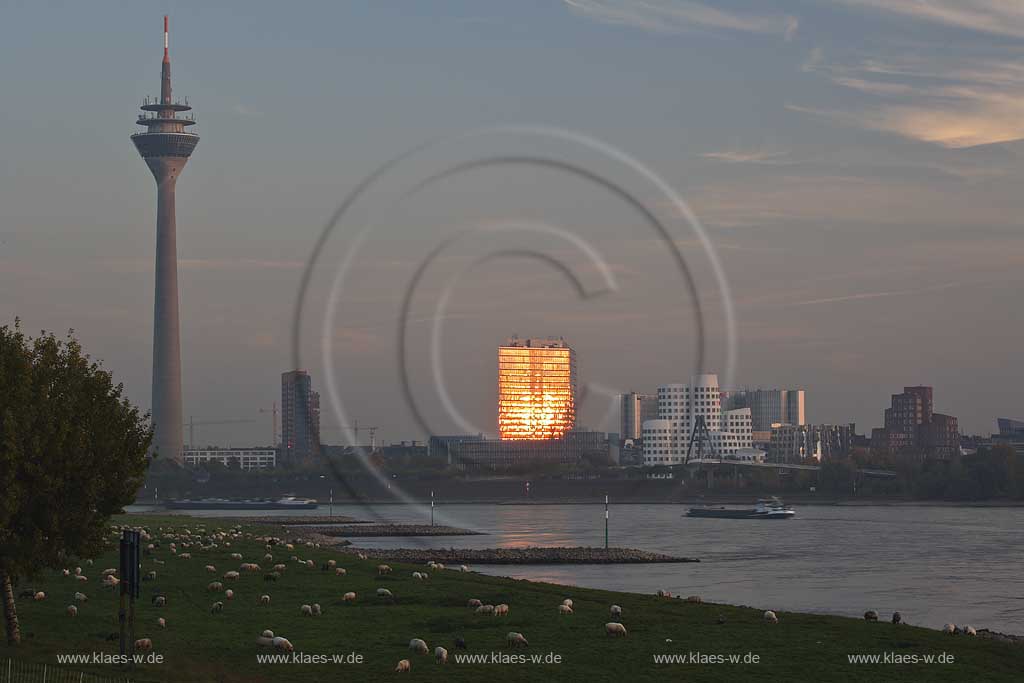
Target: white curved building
[(666, 439)]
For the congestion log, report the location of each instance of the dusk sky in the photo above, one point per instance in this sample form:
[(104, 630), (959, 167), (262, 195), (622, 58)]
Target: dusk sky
[(855, 163)]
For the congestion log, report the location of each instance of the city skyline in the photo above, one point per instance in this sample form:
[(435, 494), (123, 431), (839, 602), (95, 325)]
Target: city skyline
[(858, 234)]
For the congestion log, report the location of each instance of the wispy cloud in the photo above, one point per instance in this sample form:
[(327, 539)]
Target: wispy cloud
[(873, 295), (750, 156), (683, 16), (999, 17)]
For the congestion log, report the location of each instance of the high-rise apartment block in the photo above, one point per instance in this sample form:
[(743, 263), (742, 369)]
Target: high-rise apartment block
[(768, 406), (536, 389), (300, 417), (634, 410), (911, 425)]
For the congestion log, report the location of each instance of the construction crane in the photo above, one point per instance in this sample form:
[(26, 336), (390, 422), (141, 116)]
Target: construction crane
[(191, 424), (373, 432), (273, 434)]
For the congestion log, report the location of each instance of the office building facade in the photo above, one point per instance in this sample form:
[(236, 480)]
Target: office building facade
[(300, 417), (536, 389)]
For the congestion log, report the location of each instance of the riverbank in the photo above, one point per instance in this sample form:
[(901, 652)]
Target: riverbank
[(367, 530), (517, 556), (199, 646)]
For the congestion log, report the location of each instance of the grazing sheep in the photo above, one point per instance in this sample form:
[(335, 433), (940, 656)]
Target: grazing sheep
[(474, 602), (383, 569), (463, 568), (403, 665), (236, 556), (616, 611), (40, 595), (268, 557), (516, 639), (564, 609), (485, 609), (231, 576), (417, 576), (331, 564), (501, 610), (66, 572), (159, 601), (349, 597), (664, 594), (279, 567), (615, 630), (317, 611), (211, 569), (440, 655), (384, 593), (340, 571), (361, 556), (284, 644), (418, 646), (460, 643), (311, 564), (144, 644), (949, 629), (78, 571), (111, 581), (696, 599), (265, 600), (80, 578), (88, 563), (969, 630), (268, 633), (567, 602), (217, 607), (771, 617), (161, 622), (229, 594), (81, 597), (186, 556), (897, 618), (438, 566), (215, 586), (871, 615), (108, 572), (307, 610), (72, 611)]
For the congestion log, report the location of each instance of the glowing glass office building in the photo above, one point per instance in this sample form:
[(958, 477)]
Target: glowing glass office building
[(536, 389)]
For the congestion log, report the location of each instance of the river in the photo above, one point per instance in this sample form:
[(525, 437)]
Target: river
[(933, 564)]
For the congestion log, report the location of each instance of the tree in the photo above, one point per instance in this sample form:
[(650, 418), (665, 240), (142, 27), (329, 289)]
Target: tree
[(72, 453)]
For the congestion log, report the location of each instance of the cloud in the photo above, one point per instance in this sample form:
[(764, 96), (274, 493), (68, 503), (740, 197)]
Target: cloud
[(873, 295), (999, 17), (682, 16), (753, 156)]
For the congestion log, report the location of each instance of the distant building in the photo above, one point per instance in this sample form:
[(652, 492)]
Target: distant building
[(768, 406), (1011, 433), (414, 449), (793, 443), (536, 389), (475, 453), (243, 458), (634, 410), (300, 417), (666, 439), (911, 425)]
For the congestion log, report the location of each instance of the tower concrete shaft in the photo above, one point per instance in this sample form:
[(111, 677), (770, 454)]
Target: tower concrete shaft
[(166, 146)]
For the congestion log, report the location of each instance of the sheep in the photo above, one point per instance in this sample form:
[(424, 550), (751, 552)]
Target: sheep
[(80, 578), (66, 572), (72, 611), (284, 644), (307, 610), (403, 665), (349, 597), (969, 630), (696, 599), (268, 557), (485, 609), (108, 572), (418, 646), (38, 596), (664, 594), (871, 615), (215, 586), (159, 601), (340, 571), (501, 610), (81, 597), (615, 630), (438, 566), (616, 611), (317, 611), (516, 639), (231, 576), (78, 571), (268, 634), (229, 594), (567, 602), (88, 563), (897, 618), (311, 564), (949, 629), (417, 576), (210, 569), (564, 609), (151, 576), (186, 556), (217, 607), (279, 567), (236, 556), (463, 568), (161, 622), (771, 617), (384, 593), (144, 644), (383, 569), (331, 564), (474, 602), (264, 599), (111, 581), (440, 655), (361, 556)]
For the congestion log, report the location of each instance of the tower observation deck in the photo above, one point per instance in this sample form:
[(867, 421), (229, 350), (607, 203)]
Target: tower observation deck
[(166, 146)]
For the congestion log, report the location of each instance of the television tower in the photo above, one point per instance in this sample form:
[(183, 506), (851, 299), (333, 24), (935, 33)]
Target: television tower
[(166, 146)]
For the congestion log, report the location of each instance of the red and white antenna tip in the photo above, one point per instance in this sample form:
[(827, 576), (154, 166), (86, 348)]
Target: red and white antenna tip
[(165, 37)]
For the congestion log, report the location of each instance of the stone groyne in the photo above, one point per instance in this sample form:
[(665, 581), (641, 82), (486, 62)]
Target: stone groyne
[(379, 530), (535, 555)]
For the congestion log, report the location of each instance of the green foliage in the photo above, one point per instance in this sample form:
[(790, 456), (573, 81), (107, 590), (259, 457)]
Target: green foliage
[(72, 451)]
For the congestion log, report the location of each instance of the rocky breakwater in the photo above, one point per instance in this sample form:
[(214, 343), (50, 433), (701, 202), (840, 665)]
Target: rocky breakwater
[(371, 530), (534, 555), (303, 520)]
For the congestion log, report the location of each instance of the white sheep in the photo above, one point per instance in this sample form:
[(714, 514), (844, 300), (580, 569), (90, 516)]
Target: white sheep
[(441, 655), (80, 578), (215, 586), (217, 607), (349, 597), (417, 576), (307, 610), (949, 629), (664, 594), (516, 639), (384, 593), (564, 609), (969, 630), (284, 644), (88, 563), (268, 634), (236, 556), (78, 571), (567, 602), (229, 594), (279, 567), (403, 665), (186, 556), (265, 600), (317, 611), (160, 601), (485, 609), (66, 572), (108, 572), (144, 644), (500, 610), (81, 597), (39, 596), (418, 646), (311, 564), (331, 564), (616, 611), (694, 599), (771, 617), (231, 576), (339, 571), (463, 568), (161, 622), (615, 630), (211, 569), (72, 611), (383, 569), (474, 602)]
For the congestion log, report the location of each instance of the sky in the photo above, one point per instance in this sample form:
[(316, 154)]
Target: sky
[(854, 167)]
